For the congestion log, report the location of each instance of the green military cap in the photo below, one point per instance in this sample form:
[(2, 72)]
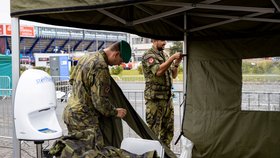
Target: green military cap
[(125, 50)]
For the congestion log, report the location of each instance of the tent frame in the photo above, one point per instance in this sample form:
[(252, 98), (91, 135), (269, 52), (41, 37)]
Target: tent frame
[(15, 77), (203, 5), (181, 7)]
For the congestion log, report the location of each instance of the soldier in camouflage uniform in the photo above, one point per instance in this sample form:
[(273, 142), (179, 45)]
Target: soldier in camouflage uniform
[(159, 69), (91, 85), (81, 145)]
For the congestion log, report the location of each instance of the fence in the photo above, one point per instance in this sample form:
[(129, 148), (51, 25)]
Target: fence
[(136, 98), (5, 107), (62, 87), (262, 101), (6, 118), (5, 86)]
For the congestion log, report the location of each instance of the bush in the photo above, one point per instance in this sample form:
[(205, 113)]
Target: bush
[(275, 68), (22, 69), (246, 67), (115, 70), (46, 69), (180, 69), (266, 65), (258, 70), (260, 67)]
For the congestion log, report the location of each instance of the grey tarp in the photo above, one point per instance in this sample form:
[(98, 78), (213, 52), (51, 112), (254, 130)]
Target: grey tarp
[(220, 33)]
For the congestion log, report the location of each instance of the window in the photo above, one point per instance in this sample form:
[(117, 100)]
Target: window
[(261, 84)]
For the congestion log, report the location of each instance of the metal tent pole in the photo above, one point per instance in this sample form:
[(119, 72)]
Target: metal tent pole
[(184, 75), (39, 150), (185, 46), (15, 77)]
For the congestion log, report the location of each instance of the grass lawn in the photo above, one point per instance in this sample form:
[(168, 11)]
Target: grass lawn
[(129, 72)]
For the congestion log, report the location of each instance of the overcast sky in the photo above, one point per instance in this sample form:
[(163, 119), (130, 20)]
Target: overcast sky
[(6, 19), (5, 11), (5, 14)]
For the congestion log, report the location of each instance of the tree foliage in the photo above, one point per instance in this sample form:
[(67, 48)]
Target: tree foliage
[(261, 67), (177, 47), (115, 70)]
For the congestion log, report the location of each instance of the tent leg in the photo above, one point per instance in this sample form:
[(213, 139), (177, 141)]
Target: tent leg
[(185, 57), (39, 150), (15, 77)]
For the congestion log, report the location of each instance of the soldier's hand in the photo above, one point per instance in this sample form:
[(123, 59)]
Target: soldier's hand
[(121, 112), (177, 56)]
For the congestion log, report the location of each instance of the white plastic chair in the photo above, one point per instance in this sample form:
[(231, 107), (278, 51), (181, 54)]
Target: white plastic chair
[(140, 146)]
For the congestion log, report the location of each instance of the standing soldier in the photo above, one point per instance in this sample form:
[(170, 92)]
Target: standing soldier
[(159, 69), (91, 85)]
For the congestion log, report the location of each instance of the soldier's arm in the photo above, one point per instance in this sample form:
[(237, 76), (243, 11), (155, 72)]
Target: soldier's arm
[(150, 63), (100, 92), (176, 67), (164, 66), (175, 71), (76, 69)]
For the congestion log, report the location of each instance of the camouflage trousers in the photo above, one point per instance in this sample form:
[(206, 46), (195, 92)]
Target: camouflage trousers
[(160, 118), (81, 145), (77, 121)]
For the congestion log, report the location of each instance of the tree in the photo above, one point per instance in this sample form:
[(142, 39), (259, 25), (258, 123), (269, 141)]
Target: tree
[(177, 47)]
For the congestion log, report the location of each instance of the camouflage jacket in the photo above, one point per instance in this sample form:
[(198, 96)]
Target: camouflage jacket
[(157, 87), (91, 85)]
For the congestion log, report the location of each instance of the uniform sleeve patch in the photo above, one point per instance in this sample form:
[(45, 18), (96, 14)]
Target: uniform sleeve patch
[(107, 89), (151, 60)]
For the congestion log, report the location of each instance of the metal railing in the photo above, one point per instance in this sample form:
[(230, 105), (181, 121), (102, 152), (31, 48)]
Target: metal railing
[(6, 118), (136, 99), (259, 101), (62, 87), (5, 86), (5, 107)]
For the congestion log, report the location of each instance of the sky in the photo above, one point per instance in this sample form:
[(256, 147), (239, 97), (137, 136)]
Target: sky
[(5, 15), (5, 11)]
